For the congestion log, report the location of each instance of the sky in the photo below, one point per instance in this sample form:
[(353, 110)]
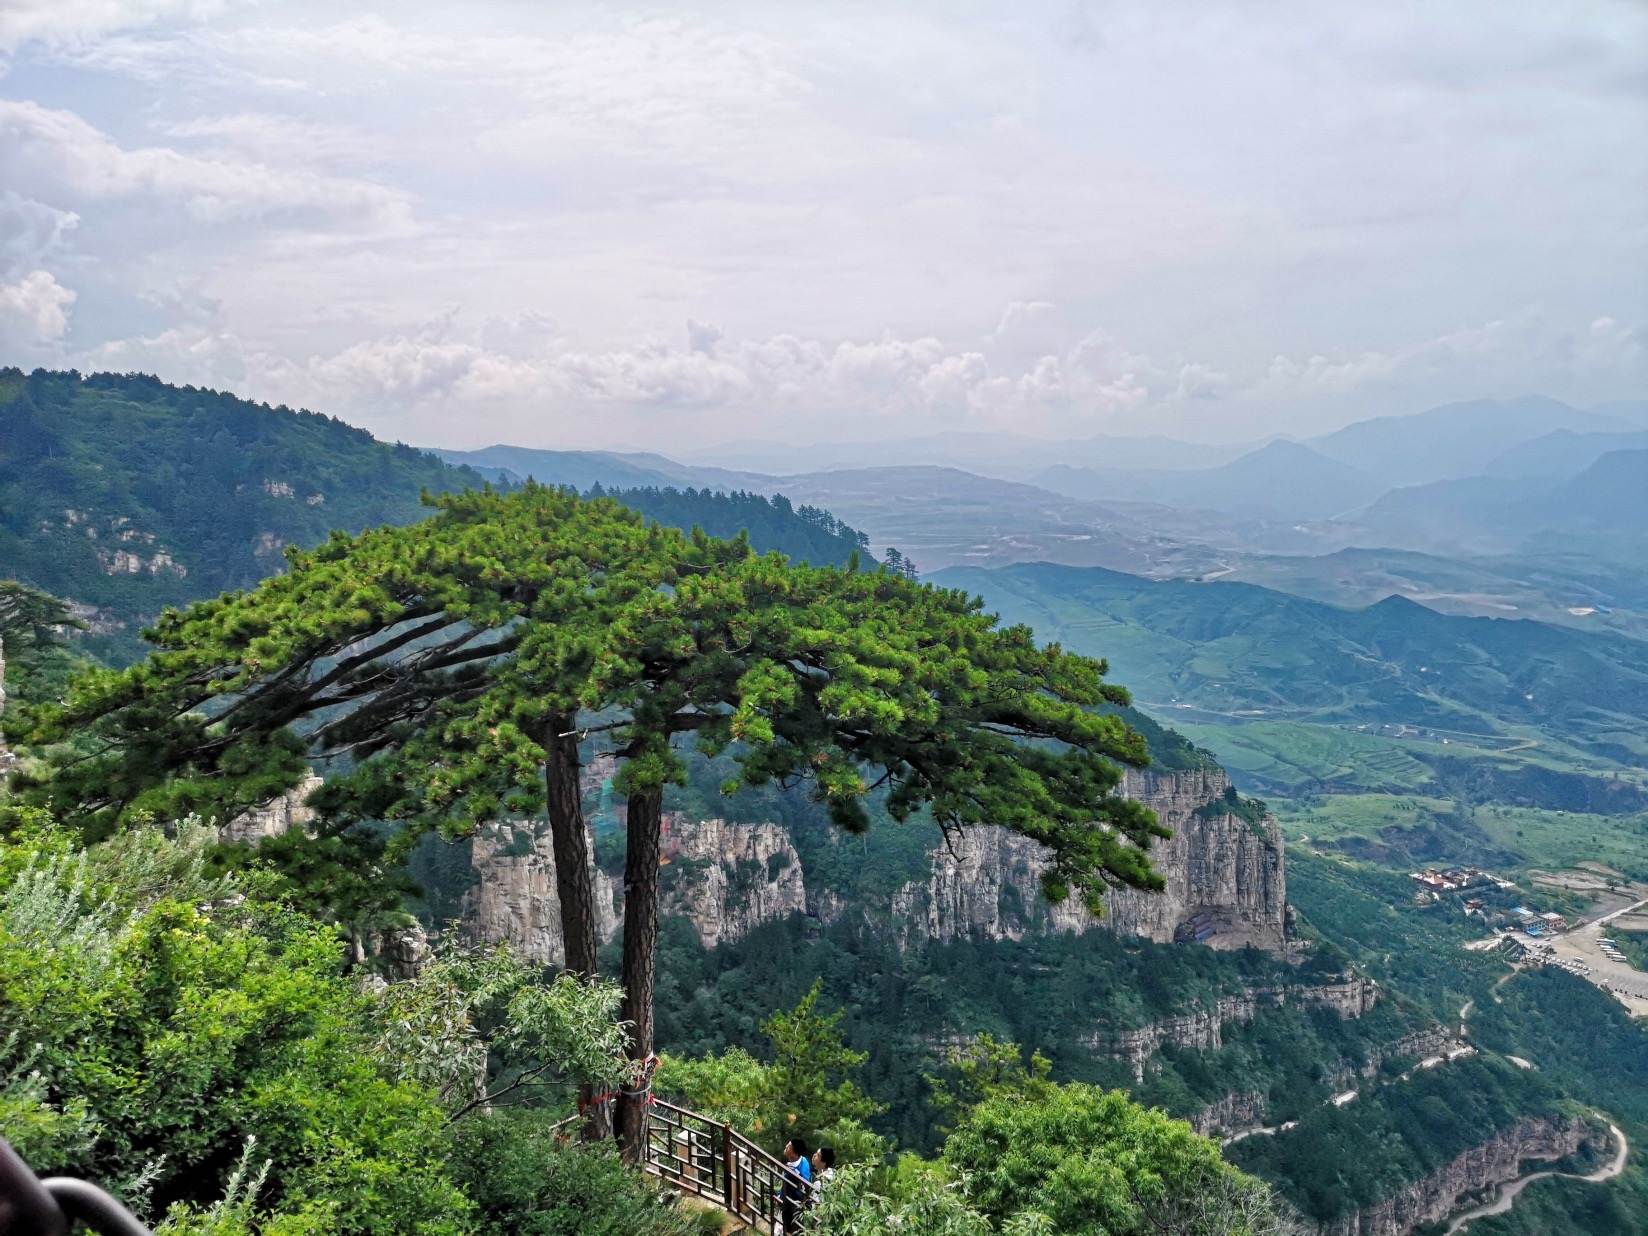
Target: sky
[(597, 225)]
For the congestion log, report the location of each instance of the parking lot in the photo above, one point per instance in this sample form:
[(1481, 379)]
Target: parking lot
[(1582, 951)]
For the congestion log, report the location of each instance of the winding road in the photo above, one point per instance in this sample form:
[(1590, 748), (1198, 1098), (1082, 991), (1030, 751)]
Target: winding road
[(1505, 1195)]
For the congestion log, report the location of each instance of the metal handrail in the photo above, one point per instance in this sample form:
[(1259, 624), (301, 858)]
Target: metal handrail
[(688, 1151), (30, 1206)]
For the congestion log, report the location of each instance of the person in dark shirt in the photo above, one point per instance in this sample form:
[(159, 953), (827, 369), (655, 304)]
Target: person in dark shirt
[(798, 1175)]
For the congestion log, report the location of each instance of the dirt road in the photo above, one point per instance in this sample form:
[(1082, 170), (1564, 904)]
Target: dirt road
[(1506, 1195)]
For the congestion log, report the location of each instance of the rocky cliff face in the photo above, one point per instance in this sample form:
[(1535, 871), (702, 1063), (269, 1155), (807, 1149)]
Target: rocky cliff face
[(1242, 1109), (514, 897), (1203, 1029), (291, 810), (1226, 884), (724, 878), (728, 878), (1436, 1196), (1226, 881)]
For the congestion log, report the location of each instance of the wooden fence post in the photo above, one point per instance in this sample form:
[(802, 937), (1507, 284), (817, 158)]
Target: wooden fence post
[(726, 1167)]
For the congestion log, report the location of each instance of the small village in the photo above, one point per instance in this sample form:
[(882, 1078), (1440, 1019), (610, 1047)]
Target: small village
[(1579, 943)]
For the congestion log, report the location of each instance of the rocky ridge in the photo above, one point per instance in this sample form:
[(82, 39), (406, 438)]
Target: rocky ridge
[(1226, 883), (1435, 1196), (514, 898), (730, 878), (1225, 880), (1203, 1029), (280, 815)]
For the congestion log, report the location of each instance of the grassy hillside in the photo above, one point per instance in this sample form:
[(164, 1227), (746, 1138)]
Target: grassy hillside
[(1393, 673)]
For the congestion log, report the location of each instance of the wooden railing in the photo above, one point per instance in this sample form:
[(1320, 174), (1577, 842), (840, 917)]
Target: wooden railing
[(707, 1159), (710, 1160)]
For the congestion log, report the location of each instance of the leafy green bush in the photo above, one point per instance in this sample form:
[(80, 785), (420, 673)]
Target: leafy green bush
[(1094, 1163), (527, 1181), (158, 1022)]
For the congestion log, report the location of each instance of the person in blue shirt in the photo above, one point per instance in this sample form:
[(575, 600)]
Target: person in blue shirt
[(798, 1176)]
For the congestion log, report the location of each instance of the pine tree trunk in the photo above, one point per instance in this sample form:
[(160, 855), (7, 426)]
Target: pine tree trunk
[(641, 857), (573, 886), (570, 845)]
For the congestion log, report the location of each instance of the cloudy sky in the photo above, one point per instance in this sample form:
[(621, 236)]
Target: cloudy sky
[(583, 224)]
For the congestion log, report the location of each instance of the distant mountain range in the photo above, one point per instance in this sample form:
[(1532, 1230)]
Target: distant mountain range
[(1454, 440), (1246, 652), (1008, 456), (1563, 453), (1280, 480), (1532, 478), (1607, 503)]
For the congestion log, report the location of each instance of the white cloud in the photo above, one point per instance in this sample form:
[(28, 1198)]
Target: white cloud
[(29, 231), (505, 213), (34, 310), (59, 157), (55, 21)]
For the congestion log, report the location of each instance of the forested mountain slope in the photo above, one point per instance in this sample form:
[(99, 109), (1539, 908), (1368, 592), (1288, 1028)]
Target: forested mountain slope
[(1250, 651), (124, 494)]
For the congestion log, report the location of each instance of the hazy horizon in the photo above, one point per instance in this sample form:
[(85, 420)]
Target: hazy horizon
[(611, 229)]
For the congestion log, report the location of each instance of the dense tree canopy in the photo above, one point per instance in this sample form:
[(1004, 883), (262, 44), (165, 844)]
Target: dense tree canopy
[(1097, 1164)]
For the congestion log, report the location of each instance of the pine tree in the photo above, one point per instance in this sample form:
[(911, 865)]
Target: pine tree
[(454, 662)]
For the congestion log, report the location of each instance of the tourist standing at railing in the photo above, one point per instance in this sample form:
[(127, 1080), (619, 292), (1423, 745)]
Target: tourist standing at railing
[(798, 1175), (823, 1169)]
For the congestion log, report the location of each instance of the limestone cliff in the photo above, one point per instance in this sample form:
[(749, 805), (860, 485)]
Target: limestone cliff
[(1241, 1109), (1225, 880), (727, 878), (291, 810), (514, 897), (1433, 1198), (1203, 1028), (1226, 883)]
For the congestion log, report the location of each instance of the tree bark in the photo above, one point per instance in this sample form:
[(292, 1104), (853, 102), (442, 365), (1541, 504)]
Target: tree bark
[(643, 842), (573, 885), (570, 845)]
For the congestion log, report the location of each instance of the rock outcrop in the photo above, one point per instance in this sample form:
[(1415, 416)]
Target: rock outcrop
[(1226, 882), (722, 877), (403, 950), (1242, 1109), (514, 897), (291, 810), (1495, 1161), (1203, 1029), (729, 878)]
